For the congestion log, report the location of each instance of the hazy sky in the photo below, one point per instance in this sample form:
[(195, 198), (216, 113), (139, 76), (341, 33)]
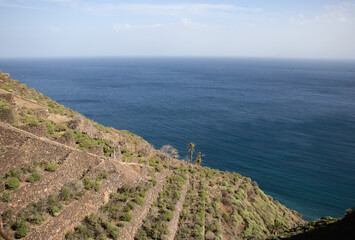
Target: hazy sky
[(274, 28)]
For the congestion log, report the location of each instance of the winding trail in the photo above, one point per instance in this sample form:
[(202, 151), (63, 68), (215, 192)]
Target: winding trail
[(46, 140)]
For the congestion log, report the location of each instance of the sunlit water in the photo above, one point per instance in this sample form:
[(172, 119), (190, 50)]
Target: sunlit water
[(288, 124)]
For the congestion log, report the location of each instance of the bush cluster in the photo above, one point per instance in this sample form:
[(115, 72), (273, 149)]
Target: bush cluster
[(113, 215), (162, 212), (36, 213), (13, 178), (156, 163)]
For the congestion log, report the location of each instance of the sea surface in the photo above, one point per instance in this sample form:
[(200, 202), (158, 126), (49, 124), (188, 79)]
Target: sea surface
[(287, 124)]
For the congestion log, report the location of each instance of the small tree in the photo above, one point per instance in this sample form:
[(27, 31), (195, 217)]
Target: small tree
[(191, 146), (199, 159)]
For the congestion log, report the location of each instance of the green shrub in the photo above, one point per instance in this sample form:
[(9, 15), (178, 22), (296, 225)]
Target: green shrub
[(126, 217), (65, 194), (60, 128), (127, 154), (153, 162), (68, 134), (85, 142), (28, 168), (7, 215), (108, 149), (21, 228), (142, 160), (87, 183), (53, 205), (96, 186), (154, 181), (30, 120), (139, 200), (34, 177), (12, 183), (51, 167), (54, 210), (6, 112), (21, 232), (50, 127), (167, 216), (6, 197), (113, 230), (13, 173), (132, 204), (102, 176)]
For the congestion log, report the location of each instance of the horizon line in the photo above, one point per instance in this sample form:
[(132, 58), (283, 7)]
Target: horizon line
[(178, 56)]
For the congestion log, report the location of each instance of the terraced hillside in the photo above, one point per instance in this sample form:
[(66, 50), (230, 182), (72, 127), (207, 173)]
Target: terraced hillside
[(64, 176)]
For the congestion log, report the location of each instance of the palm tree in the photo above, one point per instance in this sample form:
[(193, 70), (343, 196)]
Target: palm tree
[(191, 147), (199, 159)]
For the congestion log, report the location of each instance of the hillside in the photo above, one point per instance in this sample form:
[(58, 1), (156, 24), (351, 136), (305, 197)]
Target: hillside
[(326, 228), (64, 176)]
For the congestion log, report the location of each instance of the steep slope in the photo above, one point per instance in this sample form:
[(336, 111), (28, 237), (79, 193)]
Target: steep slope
[(65, 176), (326, 228)]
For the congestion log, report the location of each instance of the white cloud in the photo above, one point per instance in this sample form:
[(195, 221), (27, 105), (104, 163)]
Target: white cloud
[(189, 22), (165, 9), (4, 3), (122, 27), (337, 13), (126, 26)]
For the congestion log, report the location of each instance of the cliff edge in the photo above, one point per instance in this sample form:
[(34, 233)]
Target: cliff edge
[(64, 176)]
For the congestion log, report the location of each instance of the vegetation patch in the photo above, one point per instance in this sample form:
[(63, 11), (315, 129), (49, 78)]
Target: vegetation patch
[(6, 197), (6, 112), (162, 211), (156, 163), (112, 216), (18, 225)]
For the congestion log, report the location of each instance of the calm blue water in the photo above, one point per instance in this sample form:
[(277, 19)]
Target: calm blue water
[(288, 124)]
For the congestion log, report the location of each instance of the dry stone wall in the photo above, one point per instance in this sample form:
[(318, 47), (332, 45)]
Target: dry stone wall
[(23, 148), (71, 215)]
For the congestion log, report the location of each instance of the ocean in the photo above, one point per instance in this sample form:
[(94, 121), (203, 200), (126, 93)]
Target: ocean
[(287, 124)]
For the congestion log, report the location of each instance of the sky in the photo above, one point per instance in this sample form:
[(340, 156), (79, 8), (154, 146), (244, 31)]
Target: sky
[(223, 28)]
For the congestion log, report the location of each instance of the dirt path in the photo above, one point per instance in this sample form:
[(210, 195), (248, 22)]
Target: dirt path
[(28, 134), (46, 140), (139, 213), (174, 223)]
